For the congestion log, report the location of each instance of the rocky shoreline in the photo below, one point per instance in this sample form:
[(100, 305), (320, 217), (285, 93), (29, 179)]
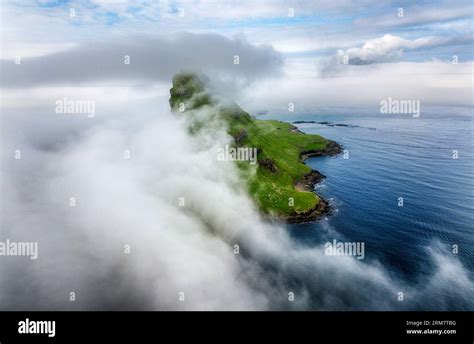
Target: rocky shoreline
[(331, 124), (308, 183), (332, 148)]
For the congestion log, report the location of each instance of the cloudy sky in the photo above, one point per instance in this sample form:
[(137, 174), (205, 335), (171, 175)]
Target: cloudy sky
[(432, 29), (321, 49), (336, 55)]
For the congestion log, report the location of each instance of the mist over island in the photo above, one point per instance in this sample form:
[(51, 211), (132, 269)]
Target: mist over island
[(281, 184)]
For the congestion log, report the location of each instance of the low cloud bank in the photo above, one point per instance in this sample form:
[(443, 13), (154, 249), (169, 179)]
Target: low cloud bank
[(144, 60), (181, 255), (316, 88)]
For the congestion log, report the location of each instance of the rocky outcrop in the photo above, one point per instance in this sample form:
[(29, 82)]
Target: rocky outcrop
[(269, 164), (332, 148), (241, 135), (321, 209)]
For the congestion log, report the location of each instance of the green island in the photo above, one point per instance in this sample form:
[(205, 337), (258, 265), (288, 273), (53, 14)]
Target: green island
[(280, 182)]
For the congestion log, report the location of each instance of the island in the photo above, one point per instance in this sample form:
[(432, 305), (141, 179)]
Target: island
[(281, 184)]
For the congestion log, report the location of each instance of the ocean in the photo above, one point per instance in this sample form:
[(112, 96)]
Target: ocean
[(389, 157)]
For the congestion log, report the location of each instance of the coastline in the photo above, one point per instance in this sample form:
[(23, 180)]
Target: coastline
[(308, 183)]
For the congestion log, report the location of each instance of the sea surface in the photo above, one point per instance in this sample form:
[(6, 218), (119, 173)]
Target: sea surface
[(388, 157)]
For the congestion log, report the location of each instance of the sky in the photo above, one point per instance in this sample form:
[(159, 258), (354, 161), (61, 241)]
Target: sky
[(320, 49), (322, 56), (440, 29)]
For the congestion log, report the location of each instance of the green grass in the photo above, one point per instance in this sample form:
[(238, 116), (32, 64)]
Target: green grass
[(279, 142), (275, 140)]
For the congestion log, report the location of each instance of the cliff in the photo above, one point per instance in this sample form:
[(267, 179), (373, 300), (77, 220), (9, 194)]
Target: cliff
[(280, 182)]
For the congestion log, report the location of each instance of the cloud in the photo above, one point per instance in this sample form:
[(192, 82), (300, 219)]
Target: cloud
[(418, 15), (449, 274), (316, 28), (391, 48), (152, 59)]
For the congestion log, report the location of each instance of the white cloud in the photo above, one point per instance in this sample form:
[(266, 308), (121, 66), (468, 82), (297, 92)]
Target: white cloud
[(418, 15), (152, 58), (389, 48)]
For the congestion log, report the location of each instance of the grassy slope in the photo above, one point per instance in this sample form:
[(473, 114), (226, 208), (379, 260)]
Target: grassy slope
[(276, 140)]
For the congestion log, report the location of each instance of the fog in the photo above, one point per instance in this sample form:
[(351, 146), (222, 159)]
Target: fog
[(326, 86), (174, 248)]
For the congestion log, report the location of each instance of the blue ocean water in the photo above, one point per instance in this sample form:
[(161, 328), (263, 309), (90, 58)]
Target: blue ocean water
[(390, 157)]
